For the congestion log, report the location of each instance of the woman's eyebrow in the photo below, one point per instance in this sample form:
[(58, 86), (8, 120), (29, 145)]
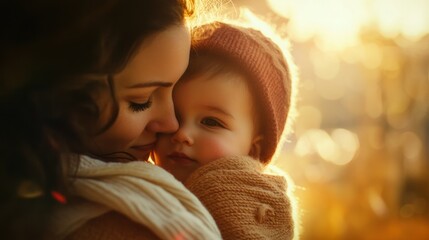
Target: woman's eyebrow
[(151, 84)]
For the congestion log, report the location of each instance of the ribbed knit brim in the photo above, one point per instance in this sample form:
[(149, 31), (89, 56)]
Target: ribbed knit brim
[(267, 66)]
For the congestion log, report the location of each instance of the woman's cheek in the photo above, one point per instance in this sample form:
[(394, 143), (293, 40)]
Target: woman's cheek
[(126, 129)]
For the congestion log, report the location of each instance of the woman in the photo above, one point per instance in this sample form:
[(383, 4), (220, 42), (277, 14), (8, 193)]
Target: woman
[(89, 78)]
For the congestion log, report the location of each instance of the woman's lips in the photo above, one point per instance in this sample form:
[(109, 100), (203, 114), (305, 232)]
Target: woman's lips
[(143, 151)]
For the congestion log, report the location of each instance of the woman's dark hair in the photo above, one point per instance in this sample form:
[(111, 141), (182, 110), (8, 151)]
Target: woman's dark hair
[(56, 59)]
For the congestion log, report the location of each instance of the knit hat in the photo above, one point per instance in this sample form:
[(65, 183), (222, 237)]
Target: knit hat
[(263, 60)]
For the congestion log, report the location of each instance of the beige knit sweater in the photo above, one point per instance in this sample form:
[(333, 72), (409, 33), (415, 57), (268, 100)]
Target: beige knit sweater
[(134, 200), (245, 202)]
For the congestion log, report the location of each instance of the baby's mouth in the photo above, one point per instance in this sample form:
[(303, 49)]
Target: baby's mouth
[(181, 158)]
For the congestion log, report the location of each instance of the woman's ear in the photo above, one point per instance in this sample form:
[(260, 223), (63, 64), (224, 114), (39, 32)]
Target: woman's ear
[(255, 148)]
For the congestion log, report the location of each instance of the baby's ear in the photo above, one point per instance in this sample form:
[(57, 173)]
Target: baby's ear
[(255, 149)]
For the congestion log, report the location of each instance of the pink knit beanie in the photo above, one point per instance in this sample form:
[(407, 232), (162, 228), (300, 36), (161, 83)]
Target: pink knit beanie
[(263, 60)]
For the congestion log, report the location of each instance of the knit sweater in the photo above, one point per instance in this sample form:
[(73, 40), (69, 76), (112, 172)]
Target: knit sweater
[(135, 200), (245, 202)]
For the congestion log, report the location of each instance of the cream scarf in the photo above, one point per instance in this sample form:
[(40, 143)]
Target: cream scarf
[(141, 191)]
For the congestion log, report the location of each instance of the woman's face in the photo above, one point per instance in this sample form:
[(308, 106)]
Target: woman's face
[(144, 94)]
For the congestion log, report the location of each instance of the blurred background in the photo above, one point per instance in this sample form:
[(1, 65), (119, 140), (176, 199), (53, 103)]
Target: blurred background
[(359, 154)]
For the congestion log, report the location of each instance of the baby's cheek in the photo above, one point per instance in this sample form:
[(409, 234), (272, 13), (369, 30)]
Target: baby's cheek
[(217, 149), (163, 144)]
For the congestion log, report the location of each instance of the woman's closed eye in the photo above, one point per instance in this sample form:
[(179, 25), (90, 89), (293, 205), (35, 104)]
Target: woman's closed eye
[(212, 122), (139, 107)]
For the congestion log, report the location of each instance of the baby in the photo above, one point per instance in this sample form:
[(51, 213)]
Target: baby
[(232, 104)]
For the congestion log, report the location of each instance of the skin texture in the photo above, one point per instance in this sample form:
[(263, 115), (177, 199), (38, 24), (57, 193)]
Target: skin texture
[(216, 120), (144, 94)]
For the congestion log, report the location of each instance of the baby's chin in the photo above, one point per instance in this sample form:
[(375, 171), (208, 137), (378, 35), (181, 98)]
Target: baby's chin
[(181, 171), (182, 176)]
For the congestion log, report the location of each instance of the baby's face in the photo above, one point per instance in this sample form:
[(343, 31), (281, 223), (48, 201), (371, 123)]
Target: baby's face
[(215, 120)]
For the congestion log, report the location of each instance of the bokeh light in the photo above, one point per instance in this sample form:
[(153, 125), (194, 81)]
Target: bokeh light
[(359, 152)]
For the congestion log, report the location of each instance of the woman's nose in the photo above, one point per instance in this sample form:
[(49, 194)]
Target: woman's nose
[(182, 136), (164, 118), (169, 124)]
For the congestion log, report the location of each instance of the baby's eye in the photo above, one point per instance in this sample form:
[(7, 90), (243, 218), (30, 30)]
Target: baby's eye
[(211, 122), (139, 107)]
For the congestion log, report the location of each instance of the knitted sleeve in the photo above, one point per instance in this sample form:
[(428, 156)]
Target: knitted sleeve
[(245, 203)]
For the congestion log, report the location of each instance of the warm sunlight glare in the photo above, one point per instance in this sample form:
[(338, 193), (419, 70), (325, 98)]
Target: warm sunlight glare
[(336, 24), (407, 17)]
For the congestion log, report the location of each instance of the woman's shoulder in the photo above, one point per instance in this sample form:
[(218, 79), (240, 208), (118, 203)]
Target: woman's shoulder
[(112, 225)]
